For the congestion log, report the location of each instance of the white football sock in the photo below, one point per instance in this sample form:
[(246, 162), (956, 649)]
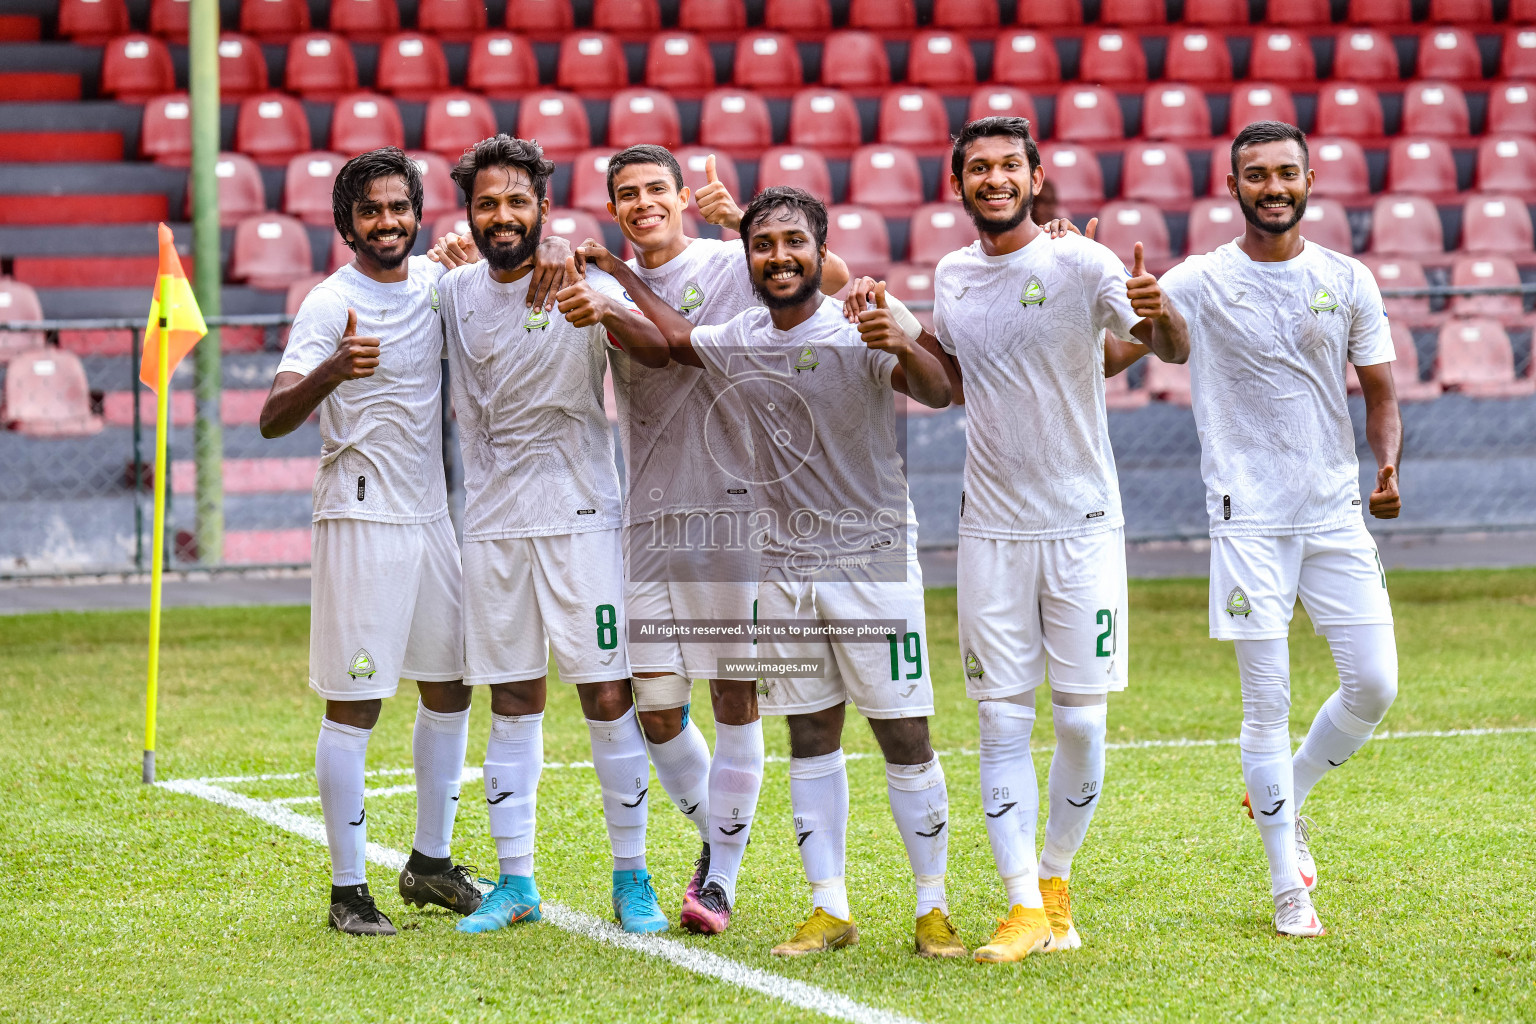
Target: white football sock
[(1077, 778), (735, 779), (437, 751), (340, 755), (1010, 796), (682, 768), (624, 772), (514, 759), (1265, 668), (818, 796), (920, 804), (1366, 657)]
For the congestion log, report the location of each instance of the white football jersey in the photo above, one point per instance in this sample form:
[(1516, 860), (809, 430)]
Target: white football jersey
[(827, 468), (1028, 331), (528, 391), (1268, 343), (381, 455), (685, 441)]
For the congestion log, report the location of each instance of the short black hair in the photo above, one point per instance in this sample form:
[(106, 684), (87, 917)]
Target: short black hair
[(644, 154), (989, 127), (503, 151), (782, 197), (357, 176), (1261, 132)]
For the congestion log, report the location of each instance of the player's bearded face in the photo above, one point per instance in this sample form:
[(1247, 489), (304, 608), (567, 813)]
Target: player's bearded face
[(506, 218), (786, 261), (1272, 186), (384, 224)]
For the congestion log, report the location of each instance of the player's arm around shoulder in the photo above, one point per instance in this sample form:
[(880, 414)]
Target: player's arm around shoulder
[(596, 299), (351, 356), (673, 328), (890, 327)]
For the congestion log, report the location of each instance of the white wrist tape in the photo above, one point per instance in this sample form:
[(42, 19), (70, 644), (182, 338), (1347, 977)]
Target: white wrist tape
[(909, 324)]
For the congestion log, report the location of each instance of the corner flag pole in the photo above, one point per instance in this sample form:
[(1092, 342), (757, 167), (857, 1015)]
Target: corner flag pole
[(157, 570)]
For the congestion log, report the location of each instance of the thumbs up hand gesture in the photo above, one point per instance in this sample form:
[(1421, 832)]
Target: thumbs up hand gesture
[(582, 304), (714, 200), (355, 356), (878, 327), (1144, 292)]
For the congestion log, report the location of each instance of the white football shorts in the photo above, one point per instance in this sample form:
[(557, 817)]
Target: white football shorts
[(384, 606), (1036, 609)]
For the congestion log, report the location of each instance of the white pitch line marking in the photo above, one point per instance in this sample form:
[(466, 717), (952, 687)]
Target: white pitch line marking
[(697, 961)]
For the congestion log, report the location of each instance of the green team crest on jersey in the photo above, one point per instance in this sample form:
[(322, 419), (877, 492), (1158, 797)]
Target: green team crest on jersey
[(362, 665), (536, 320), (434, 298), (1323, 301), (693, 297), (1237, 603), (973, 669), (807, 360), (1034, 292)]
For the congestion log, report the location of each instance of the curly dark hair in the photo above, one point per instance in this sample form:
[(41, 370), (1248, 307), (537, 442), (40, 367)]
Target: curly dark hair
[(989, 127), (503, 151), (782, 197), (357, 176)]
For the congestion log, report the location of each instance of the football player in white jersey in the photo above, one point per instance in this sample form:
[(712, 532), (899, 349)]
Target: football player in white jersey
[(542, 553), (1273, 318), (366, 349), (838, 541), (687, 477), (1042, 584)]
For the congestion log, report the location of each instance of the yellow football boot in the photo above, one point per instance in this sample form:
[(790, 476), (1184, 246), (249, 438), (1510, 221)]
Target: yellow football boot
[(936, 937), (819, 932), (1058, 911), (1024, 931)]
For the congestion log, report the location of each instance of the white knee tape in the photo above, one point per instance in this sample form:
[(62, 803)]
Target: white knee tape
[(662, 693)]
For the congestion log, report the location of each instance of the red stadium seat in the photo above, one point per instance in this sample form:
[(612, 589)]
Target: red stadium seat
[(540, 18), (885, 178), (858, 235), (1507, 163), (364, 21), (1213, 223), (242, 67), (241, 190), (1486, 272), (591, 63), (1450, 55), (915, 118), (165, 133), (170, 19), (274, 20), (1113, 57), (271, 127), (824, 119), (1460, 12), (638, 116), (1088, 113), (1175, 111), (630, 17), (412, 66), (1050, 13), (854, 61), (455, 20), (575, 226), (1215, 12), (1522, 12), (1156, 172), (1405, 369), (19, 304), (723, 16), (1306, 13), (912, 283), (965, 15), (882, 15), (1476, 358), (1519, 57), (1423, 165), (798, 16), (767, 62), (1365, 55), (941, 60), (1435, 108), (679, 63), (1380, 12), (557, 120), (339, 256), (589, 181), (1282, 55), (298, 291), (1260, 101), (449, 223), (1512, 108), (363, 121), (1401, 272), (320, 66), (1075, 173), (736, 122), (694, 159), (439, 194), (1406, 226), (1196, 55), (938, 229), (1326, 223), (1133, 12), (501, 65), (1023, 57), (47, 395), (1001, 101), (796, 166), (1123, 224), (1496, 223), (270, 251), (307, 186), (1342, 172), (93, 22), (455, 121), (135, 68), (1348, 109)]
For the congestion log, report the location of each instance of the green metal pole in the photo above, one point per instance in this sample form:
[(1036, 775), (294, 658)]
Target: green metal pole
[(208, 429)]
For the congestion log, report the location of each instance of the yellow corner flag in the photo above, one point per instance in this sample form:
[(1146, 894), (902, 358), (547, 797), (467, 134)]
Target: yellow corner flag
[(175, 324)]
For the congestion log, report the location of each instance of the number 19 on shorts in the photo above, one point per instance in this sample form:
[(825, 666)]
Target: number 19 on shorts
[(906, 651)]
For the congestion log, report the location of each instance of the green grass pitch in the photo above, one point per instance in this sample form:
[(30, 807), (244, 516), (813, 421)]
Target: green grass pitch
[(130, 903)]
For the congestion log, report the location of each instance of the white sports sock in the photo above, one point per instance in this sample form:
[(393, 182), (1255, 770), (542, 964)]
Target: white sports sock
[(1265, 668), (340, 755), (624, 772), (735, 779), (437, 750), (1366, 657), (514, 759), (818, 796), (1076, 780), (682, 768), (1010, 796), (920, 804)]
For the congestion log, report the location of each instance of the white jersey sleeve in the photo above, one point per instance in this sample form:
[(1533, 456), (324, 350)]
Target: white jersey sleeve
[(1370, 334), (1104, 280), (316, 331)]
